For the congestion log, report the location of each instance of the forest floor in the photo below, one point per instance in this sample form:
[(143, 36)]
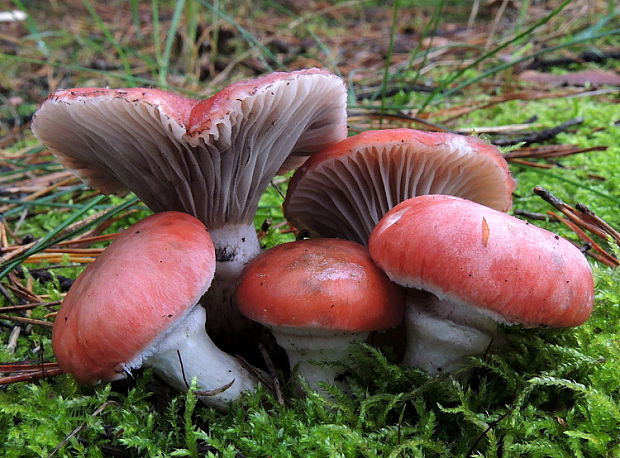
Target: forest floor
[(538, 79)]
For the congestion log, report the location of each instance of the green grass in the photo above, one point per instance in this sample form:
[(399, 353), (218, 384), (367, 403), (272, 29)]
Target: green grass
[(545, 393)]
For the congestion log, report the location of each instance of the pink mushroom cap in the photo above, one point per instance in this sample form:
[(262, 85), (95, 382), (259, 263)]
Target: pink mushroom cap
[(502, 266), (344, 190), (327, 284), (150, 277)]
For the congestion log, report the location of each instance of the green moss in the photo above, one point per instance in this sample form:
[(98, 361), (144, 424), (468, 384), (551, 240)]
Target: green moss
[(545, 393)]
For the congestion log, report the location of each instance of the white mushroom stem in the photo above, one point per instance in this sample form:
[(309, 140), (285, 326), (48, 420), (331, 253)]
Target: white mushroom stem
[(186, 352), (235, 246), (441, 334), (312, 352)]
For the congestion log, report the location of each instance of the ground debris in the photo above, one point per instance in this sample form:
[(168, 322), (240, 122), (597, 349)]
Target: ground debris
[(594, 78), (27, 371), (537, 136), (581, 219)]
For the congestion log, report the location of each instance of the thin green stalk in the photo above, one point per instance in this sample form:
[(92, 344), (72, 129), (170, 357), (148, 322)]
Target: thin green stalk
[(433, 26), (46, 241), (215, 35), (317, 39), (388, 60), (44, 168), (106, 32), (248, 37), (325, 50), (446, 82), (135, 16), (540, 52), (569, 181), (156, 40), (523, 10), (50, 239), (191, 35), (172, 30), (32, 27), (130, 79)]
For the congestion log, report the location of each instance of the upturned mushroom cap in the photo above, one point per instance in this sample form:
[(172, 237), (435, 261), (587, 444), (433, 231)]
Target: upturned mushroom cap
[(211, 158), (147, 280), (322, 284), (503, 267), (344, 190)]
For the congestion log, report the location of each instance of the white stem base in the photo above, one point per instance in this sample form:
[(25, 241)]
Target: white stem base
[(187, 352), (305, 347), (439, 344), (235, 246)]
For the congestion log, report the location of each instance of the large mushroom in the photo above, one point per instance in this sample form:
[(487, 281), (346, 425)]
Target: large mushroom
[(318, 296), (344, 190), (212, 158), (137, 304), (482, 267)]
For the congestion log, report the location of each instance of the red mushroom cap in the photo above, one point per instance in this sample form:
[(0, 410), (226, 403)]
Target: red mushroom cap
[(344, 190), (321, 283), (208, 113), (143, 283), (468, 253), (82, 142), (212, 158)]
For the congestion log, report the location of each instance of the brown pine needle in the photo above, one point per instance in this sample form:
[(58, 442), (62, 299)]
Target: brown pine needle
[(90, 240), (550, 151), (530, 163), (30, 376), (42, 192), (21, 319), (18, 308), (583, 218), (25, 366), (607, 258), (57, 258)]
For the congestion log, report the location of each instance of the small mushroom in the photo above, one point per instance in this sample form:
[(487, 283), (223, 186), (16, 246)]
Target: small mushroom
[(344, 190), (212, 158), (482, 267), (137, 304), (317, 297)]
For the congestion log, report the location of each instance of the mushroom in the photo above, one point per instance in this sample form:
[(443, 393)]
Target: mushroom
[(482, 267), (137, 304), (212, 158), (344, 190), (318, 296)]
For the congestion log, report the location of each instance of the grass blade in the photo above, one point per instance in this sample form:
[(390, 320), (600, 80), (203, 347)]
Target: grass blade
[(165, 59), (106, 32), (50, 239), (454, 76), (248, 37)]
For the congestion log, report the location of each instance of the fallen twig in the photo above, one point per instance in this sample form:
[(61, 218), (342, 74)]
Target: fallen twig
[(605, 257), (22, 319), (580, 218), (537, 136), (27, 371), (17, 308), (272, 371), (546, 151)]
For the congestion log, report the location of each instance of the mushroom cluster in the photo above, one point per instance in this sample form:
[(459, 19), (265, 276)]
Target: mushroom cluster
[(209, 158), (391, 214)]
